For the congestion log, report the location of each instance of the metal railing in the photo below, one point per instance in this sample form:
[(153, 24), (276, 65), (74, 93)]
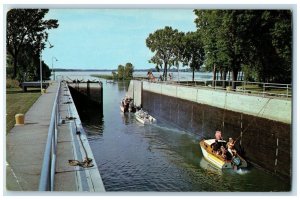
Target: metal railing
[(48, 167), (254, 88)]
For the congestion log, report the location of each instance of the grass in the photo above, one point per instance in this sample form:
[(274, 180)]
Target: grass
[(108, 77), (18, 101)]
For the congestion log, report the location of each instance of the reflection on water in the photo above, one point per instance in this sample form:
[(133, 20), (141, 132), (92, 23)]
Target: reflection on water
[(161, 157)]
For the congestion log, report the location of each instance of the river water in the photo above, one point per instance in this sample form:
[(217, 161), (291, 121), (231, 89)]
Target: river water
[(135, 157)]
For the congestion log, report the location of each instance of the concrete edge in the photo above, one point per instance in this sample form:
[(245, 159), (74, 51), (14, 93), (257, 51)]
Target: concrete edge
[(90, 176)]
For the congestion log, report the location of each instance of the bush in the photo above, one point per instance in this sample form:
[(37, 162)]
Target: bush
[(11, 83)]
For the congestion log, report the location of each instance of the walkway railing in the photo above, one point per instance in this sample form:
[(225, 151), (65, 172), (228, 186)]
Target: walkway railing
[(255, 88), (48, 167)]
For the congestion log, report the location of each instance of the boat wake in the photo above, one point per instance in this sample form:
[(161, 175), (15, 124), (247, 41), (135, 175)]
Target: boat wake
[(242, 171)]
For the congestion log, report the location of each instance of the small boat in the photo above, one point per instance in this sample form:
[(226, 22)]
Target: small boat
[(218, 160), (127, 105), (144, 118)]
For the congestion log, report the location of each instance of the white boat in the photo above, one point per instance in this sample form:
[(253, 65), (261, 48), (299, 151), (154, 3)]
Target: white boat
[(144, 118), (235, 162)]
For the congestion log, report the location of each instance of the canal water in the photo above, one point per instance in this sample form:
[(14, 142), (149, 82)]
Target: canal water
[(135, 157)]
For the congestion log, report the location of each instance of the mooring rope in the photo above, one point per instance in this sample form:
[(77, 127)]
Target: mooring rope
[(257, 115)]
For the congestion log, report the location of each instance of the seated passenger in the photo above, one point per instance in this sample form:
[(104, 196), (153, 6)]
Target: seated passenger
[(230, 145), (215, 146), (225, 154)]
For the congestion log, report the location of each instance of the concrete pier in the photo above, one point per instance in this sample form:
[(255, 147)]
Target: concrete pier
[(25, 146)]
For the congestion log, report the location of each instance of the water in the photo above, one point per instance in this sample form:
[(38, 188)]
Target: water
[(135, 157), (182, 76)]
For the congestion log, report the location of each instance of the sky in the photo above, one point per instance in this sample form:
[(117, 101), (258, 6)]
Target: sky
[(106, 38)]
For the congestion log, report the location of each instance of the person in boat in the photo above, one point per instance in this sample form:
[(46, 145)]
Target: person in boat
[(225, 154), (216, 147), (235, 161), (218, 135), (230, 146)]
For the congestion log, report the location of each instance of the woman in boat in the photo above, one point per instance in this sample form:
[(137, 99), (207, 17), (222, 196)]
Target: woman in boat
[(230, 145)]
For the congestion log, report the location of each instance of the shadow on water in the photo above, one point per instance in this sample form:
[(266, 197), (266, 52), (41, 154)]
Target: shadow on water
[(90, 112)]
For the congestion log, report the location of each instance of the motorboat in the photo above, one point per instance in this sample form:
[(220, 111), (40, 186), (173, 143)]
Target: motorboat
[(144, 118), (234, 162), (127, 105)]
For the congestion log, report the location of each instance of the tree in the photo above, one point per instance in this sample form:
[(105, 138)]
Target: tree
[(270, 45), (121, 74), (26, 29), (210, 25), (193, 53), (254, 40), (165, 45), (114, 75), (128, 71)]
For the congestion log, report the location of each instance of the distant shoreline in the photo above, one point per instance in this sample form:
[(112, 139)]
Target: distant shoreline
[(110, 70)]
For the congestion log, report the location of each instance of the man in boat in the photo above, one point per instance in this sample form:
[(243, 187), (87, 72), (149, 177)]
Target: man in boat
[(219, 142), (218, 135)]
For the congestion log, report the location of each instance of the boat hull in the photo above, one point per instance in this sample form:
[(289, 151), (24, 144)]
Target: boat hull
[(217, 160), (150, 120)]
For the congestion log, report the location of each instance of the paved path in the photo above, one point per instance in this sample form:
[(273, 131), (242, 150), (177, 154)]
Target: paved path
[(25, 145)]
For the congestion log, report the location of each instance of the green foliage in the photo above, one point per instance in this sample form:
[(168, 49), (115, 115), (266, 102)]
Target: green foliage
[(10, 83), (258, 39), (193, 51), (25, 39), (114, 75), (124, 73), (166, 45), (128, 71), (121, 72)]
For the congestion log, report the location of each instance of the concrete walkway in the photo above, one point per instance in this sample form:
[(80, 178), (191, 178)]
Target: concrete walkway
[(25, 145)]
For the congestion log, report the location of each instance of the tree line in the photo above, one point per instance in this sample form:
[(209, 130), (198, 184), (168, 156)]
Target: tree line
[(124, 72), (255, 42), (26, 37)]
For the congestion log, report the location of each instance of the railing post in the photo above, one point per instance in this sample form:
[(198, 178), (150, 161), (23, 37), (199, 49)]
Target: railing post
[(287, 90)]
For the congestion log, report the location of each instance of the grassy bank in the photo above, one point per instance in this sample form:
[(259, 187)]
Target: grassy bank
[(108, 77), (18, 102)]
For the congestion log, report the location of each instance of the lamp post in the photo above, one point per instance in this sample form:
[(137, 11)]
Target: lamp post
[(41, 73), (53, 57)]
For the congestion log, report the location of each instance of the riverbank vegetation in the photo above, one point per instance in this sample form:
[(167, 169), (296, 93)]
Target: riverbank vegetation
[(122, 73), (256, 44), (18, 101)]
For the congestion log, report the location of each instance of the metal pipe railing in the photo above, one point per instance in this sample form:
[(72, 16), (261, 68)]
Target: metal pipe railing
[(259, 88), (48, 167)]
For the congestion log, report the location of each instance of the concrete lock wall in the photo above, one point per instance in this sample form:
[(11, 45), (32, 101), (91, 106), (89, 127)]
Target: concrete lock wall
[(265, 107), (262, 125)]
